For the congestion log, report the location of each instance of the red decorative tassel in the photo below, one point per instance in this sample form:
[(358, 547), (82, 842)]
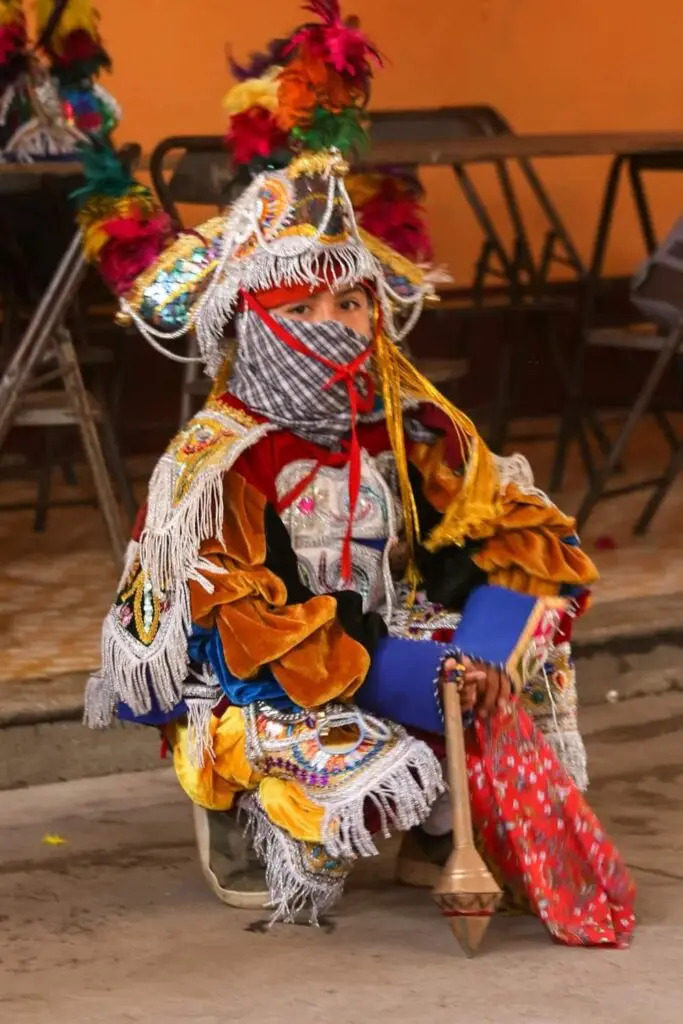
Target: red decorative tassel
[(350, 373)]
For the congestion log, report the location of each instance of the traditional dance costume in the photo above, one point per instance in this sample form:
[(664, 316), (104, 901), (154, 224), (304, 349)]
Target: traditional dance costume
[(262, 621)]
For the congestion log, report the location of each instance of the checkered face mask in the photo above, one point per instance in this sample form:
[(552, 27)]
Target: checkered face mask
[(304, 382)]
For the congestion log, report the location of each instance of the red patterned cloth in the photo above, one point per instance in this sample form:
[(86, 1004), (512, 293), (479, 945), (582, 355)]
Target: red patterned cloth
[(543, 837)]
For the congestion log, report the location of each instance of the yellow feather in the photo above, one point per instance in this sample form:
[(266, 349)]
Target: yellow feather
[(256, 92)]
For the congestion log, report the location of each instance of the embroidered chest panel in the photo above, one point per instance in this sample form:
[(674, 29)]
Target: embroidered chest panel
[(317, 521)]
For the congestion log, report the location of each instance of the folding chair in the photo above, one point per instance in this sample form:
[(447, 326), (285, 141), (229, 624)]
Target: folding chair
[(578, 414), (657, 292)]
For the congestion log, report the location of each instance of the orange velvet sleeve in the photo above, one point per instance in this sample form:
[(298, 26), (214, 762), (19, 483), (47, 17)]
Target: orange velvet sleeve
[(304, 645), (524, 548)]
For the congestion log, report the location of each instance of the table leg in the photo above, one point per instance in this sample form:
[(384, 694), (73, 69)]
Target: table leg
[(557, 227), (509, 270), (571, 426)]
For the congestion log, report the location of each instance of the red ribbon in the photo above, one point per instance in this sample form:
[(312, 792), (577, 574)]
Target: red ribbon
[(351, 374)]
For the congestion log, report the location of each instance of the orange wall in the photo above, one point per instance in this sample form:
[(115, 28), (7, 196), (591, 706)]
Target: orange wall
[(548, 65)]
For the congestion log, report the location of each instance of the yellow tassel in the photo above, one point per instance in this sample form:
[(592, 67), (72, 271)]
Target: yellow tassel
[(78, 14), (478, 501)]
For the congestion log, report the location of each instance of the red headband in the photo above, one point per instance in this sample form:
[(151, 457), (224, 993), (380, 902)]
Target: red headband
[(273, 297)]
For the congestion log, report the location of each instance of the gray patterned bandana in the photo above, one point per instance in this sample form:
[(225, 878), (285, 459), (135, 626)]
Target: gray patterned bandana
[(299, 388)]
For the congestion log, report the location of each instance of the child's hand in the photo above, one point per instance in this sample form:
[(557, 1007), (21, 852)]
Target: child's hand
[(486, 687)]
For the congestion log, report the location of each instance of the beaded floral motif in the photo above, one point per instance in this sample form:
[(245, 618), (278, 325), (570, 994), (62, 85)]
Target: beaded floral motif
[(138, 604), (317, 521), (550, 699), (341, 757)]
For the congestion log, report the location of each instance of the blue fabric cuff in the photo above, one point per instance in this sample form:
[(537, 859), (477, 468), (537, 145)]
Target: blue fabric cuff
[(402, 684), (493, 620)]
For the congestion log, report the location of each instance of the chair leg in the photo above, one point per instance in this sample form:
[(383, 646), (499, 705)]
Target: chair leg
[(572, 426), (45, 481), (659, 493), (642, 402)]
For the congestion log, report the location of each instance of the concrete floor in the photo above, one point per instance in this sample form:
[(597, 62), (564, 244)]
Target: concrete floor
[(115, 925)]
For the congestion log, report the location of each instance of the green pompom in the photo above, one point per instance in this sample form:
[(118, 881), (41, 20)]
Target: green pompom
[(328, 130), (104, 174)]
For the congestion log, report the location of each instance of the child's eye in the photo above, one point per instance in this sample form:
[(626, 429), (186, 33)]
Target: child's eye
[(298, 310), (349, 304)]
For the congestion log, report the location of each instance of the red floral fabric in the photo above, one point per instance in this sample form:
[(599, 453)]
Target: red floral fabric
[(543, 837)]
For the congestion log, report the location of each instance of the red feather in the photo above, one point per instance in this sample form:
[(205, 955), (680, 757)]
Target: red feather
[(397, 218), (339, 43), (254, 133), (134, 243)]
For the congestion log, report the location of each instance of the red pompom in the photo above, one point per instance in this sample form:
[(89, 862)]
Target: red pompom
[(76, 48), (134, 243), (12, 41), (254, 133), (396, 217)]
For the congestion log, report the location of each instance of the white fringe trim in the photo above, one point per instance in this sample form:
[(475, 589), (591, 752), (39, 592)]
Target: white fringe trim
[(35, 140), (132, 552), (99, 703), (290, 262), (136, 672), (172, 536), (571, 751), (516, 469), (201, 693), (403, 792), (293, 890), (174, 533)]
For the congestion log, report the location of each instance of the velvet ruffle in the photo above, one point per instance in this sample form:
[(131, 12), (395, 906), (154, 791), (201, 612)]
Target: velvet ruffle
[(304, 645)]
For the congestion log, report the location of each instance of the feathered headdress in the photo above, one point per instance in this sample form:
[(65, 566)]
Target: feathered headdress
[(14, 62), (296, 225), (13, 42), (69, 37), (50, 100), (308, 91)]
